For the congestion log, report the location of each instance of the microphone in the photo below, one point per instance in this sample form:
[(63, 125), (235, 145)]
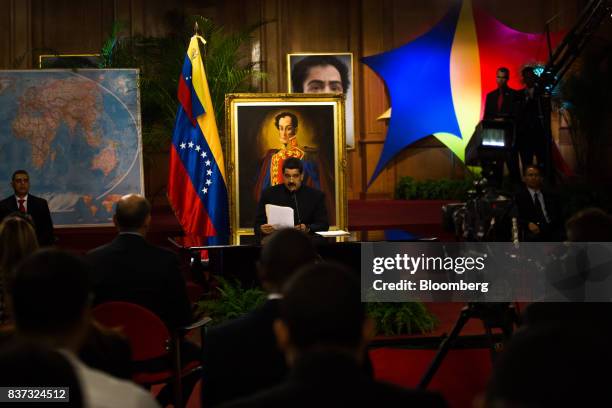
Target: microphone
[(297, 208)]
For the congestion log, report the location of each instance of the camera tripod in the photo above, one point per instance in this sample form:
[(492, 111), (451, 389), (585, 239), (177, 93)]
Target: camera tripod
[(493, 315)]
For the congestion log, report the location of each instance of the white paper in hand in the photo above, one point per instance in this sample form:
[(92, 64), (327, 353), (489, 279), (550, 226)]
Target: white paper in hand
[(279, 217)]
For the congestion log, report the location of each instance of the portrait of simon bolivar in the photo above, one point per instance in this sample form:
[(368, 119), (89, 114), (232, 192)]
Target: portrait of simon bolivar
[(267, 135)]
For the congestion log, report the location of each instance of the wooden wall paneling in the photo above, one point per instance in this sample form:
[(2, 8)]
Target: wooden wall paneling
[(354, 159), (238, 15), (376, 37), (6, 37), (409, 20), (122, 12), (68, 27), (107, 11), (153, 16), (137, 20), (318, 25), (16, 34), (272, 36), (416, 161), (38, 31)]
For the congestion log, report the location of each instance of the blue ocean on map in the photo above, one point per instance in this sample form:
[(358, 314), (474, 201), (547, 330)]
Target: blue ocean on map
[(78, 135)]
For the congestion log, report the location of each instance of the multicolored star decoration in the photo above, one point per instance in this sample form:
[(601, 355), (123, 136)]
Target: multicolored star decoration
[(438, 82)]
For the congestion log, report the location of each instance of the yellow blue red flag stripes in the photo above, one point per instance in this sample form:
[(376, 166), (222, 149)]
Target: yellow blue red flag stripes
[(197, 187)]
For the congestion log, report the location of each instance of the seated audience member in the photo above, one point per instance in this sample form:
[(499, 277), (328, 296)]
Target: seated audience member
[(35, 207), (51, 304), (552, 367), (130, 269), (539, 211), (323, 331), (17, 241), (241, 356), (107, 350), (26, 364), (103, 349), (589, 225)]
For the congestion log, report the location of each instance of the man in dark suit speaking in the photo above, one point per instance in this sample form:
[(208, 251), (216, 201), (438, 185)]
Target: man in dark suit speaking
[(308, 204), (36, 207)]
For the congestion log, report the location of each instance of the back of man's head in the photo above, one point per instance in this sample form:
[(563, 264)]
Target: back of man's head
[(26, 364), (282, 255), (322, 308), (552, 366), (132, 212), (589, 225), (50, 293)]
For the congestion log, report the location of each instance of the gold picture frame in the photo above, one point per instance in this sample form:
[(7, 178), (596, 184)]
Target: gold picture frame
[(251, 135), (68, 61), (345, 58)]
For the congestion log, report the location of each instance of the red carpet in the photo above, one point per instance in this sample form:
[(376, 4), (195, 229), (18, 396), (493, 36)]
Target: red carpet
[(463, 373), (461, 377)]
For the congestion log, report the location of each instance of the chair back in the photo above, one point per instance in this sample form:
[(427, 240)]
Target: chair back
[(147, 334)]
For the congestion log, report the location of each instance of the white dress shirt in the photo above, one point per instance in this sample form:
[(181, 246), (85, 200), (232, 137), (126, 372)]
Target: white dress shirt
[(101, 390)]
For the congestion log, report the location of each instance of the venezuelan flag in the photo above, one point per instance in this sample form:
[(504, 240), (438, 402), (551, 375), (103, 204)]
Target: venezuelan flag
[(197, 184)]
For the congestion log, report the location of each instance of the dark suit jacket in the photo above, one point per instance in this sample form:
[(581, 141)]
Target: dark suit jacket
[(551, 231), (509, 108), (38, 209), (132, 270), (240, 357), (336, 380)]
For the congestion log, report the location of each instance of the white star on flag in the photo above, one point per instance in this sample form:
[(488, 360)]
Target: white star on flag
[(208, 172), (197, 148), (207, 162), (205, 190), (208, 182), (183, 145), (190, 145), (203, 154)]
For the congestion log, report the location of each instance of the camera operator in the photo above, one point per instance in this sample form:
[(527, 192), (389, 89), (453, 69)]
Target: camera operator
[(531, 137), (502, 104)]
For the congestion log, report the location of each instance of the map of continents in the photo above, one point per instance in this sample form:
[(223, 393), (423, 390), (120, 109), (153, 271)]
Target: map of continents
[(78, 135)]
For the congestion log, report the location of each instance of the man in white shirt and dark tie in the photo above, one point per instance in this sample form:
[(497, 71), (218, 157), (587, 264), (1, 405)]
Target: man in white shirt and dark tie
[(539, 211)]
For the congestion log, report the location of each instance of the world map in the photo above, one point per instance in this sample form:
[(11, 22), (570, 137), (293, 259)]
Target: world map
[(77, 133)]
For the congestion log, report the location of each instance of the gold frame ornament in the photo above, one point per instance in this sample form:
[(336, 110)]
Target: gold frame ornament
[(252, 144)]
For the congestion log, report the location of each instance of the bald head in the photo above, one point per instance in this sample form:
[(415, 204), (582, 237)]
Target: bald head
[(133, 213)]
